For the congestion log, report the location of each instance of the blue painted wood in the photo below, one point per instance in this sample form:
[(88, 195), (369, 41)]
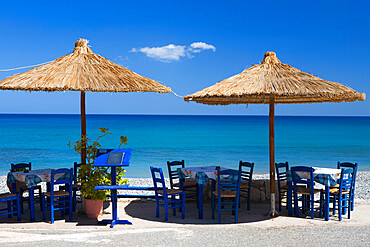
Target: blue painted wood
[(353, 166), (281, 173), (101, 161), (11, 209), (163, 199), (344, 200), (54, 203), (173, 172), (246, 173), (21, 189), (223, 185), (307, 201)]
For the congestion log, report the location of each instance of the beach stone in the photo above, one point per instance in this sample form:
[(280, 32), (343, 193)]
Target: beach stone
[(263, 196), (255, 194), (258, 183)]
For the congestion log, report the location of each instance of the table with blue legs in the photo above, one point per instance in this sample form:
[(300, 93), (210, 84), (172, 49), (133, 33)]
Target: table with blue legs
[(325, 176), (104, 159), (31, 178), (202, 175)]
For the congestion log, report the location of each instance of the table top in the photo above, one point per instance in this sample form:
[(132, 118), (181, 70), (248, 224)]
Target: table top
[(201, 173), (101, 161), (33, 177), (325, 176)]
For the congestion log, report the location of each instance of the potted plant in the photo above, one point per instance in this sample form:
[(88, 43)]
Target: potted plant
[(89, 176)]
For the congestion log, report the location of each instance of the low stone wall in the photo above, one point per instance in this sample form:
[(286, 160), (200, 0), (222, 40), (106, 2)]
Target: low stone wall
[(260, 191)]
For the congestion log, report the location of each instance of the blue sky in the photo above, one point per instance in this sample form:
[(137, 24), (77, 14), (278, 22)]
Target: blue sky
[(329, 39)]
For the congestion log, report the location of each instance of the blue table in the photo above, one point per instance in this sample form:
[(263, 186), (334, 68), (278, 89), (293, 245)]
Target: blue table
[(325, 176), (31, 178), (101, 161)]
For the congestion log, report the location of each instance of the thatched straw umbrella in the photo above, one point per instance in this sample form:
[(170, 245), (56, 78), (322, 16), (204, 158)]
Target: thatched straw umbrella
[(82, 71), (273, 82)]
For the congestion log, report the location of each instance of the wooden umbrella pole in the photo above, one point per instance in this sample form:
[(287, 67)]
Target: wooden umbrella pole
[(272, 155), (83, 129)]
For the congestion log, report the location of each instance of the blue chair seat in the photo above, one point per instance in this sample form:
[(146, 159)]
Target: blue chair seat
[(226, 193), (170, 192), (307, 191), (57, 193)]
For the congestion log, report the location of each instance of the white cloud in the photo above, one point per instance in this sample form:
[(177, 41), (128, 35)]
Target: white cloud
[(199, 46), (173, 52)]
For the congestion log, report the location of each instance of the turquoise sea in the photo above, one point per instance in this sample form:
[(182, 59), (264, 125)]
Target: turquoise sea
[(199, 140)]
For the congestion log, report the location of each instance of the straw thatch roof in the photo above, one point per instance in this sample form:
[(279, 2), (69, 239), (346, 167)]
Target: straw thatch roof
[(82, 70), (273, 80)]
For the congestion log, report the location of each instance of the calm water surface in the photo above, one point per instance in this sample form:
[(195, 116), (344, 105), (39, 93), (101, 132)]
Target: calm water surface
[(199, 140)]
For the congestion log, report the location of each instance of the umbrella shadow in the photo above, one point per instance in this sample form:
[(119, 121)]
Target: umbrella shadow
[(146, 211)]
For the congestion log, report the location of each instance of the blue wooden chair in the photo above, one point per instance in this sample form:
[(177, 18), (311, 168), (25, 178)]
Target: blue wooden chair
[(167, 198), (281, 173), (22, 187), (227, 193), (343, 194), (306, 195), (246, 172), (62, 199), (189, 185), (12, 208), (353, 167), (76, 186)]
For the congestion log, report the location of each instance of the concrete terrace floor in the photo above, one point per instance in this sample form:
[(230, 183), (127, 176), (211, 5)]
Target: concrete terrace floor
[(255, 229)]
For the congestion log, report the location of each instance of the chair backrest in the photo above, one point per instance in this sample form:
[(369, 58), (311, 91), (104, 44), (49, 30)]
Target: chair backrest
[(172, 170), (20, 167), (308, 179), (228, 180), (346, 180), (281, 171), (353, 167), (66, 178), (158, 180), (246, 171), (76, 167)]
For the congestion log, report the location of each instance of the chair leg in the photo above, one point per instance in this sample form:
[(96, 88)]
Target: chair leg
[(352, 202), (312, 206), (165, 209), (9, 203), (70, 207), (52, 210), (62, 205), (213, 205), (44, 208), (18, 211), (249, 201), (296, 210), (279, 200), (334, 204), (340, 207), (219, 208), (236, 211), (173, 205), (183, 205), (349, 207), (21, 202)]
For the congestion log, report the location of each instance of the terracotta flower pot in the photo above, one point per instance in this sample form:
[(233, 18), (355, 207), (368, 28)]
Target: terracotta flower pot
[(93, 208)]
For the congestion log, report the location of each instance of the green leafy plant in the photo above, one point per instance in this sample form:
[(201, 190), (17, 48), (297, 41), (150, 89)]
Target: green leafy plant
[(89, 176)]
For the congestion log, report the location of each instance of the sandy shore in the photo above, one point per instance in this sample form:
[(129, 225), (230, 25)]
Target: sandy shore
[(362, 185)]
